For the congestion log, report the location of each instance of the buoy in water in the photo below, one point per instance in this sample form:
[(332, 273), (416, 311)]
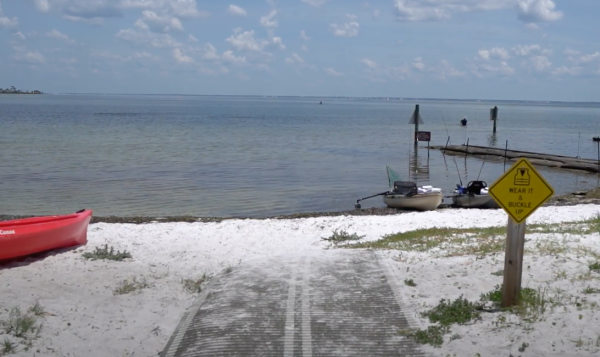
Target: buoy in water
[(463, 122)]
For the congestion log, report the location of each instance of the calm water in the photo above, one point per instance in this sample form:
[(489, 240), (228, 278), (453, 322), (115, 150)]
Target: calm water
[(249, 156)]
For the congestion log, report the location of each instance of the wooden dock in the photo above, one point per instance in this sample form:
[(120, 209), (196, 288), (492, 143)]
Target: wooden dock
[(557, 161)]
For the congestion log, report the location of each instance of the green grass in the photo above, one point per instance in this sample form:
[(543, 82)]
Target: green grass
[(342, 237), (129, 286), (433, 335), (595, 267), (107, 254), (532, 303), (446, 313), (476, 241)]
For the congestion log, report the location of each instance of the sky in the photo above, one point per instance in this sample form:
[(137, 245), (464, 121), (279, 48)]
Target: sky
[(461, 49)]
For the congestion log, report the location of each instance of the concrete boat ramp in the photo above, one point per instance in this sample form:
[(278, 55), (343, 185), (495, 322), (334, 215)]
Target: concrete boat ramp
[(327, 303)]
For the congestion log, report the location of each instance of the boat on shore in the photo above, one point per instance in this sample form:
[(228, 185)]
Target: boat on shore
[(475, 195), (22, 237), (406, 195)]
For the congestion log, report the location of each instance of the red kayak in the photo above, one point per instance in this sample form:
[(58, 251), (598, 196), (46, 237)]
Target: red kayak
[(26, 236)]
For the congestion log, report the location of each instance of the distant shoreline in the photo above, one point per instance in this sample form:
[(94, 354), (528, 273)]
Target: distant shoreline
[(13, 90)]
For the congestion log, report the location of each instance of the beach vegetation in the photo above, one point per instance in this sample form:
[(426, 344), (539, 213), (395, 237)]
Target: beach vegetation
[(498, 272), (19, 324), (449, 242), (8, 347), (129, 286), (409, 282), (37, 309), (590, 290), (595, 267), (107, 253), (194, 286), (432, 335), (341, 236)]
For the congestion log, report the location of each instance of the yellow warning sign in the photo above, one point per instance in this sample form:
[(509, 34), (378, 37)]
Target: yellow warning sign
[(521, 190)]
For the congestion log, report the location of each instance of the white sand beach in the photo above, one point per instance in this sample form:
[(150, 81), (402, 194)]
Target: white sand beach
[(84, 317)]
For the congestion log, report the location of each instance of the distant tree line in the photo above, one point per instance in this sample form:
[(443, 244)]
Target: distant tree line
[(13, 90)]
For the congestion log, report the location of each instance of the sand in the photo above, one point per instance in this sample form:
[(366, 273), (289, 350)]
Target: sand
[(84, 317)]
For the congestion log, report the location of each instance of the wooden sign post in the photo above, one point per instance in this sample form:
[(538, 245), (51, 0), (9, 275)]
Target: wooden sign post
[(416, 119), (520, 191)]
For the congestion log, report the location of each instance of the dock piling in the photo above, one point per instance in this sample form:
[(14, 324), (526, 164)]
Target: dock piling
[(505, 150), (494, 116)]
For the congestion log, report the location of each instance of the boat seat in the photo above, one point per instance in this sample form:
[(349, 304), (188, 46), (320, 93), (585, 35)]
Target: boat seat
[(405, 188), (475, 187)]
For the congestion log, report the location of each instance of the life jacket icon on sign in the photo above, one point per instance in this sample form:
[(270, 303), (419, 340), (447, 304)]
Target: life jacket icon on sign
[(522, 177)]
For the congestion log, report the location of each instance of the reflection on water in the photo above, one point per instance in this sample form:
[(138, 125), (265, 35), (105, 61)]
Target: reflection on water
[(419, 165), (492, 140)]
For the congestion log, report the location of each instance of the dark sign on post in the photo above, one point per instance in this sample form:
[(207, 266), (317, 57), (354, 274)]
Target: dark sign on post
[(423, 136)]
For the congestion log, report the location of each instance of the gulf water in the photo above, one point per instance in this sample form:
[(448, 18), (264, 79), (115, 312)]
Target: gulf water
[(234, 156)]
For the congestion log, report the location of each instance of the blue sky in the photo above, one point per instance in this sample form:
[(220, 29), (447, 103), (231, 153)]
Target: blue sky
[(464, 49)]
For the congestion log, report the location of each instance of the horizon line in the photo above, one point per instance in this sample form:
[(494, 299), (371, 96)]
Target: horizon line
[(330, 96)]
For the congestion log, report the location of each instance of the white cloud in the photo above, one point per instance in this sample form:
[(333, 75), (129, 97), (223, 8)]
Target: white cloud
[(42, 5), (349, 29), (149, 39), (502, 68), (573, 71), (531, 11), (571, 52), (589, 58), (93, 21), (304, 48), (59, 36), (303, 35), (540, 63), (445, 70), (531, 50), (332, 72), (295, 59), (351, 17), (245, 41), (269, 20), (494, 53), (30, 57), (418, 64), (19, 35), (210, 53), (191, 38), (5, 21), (316, 3), (277, 43), (236, 10), (180, 57), (369, 63), (228, 56), (158, 23), (184, 9)]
